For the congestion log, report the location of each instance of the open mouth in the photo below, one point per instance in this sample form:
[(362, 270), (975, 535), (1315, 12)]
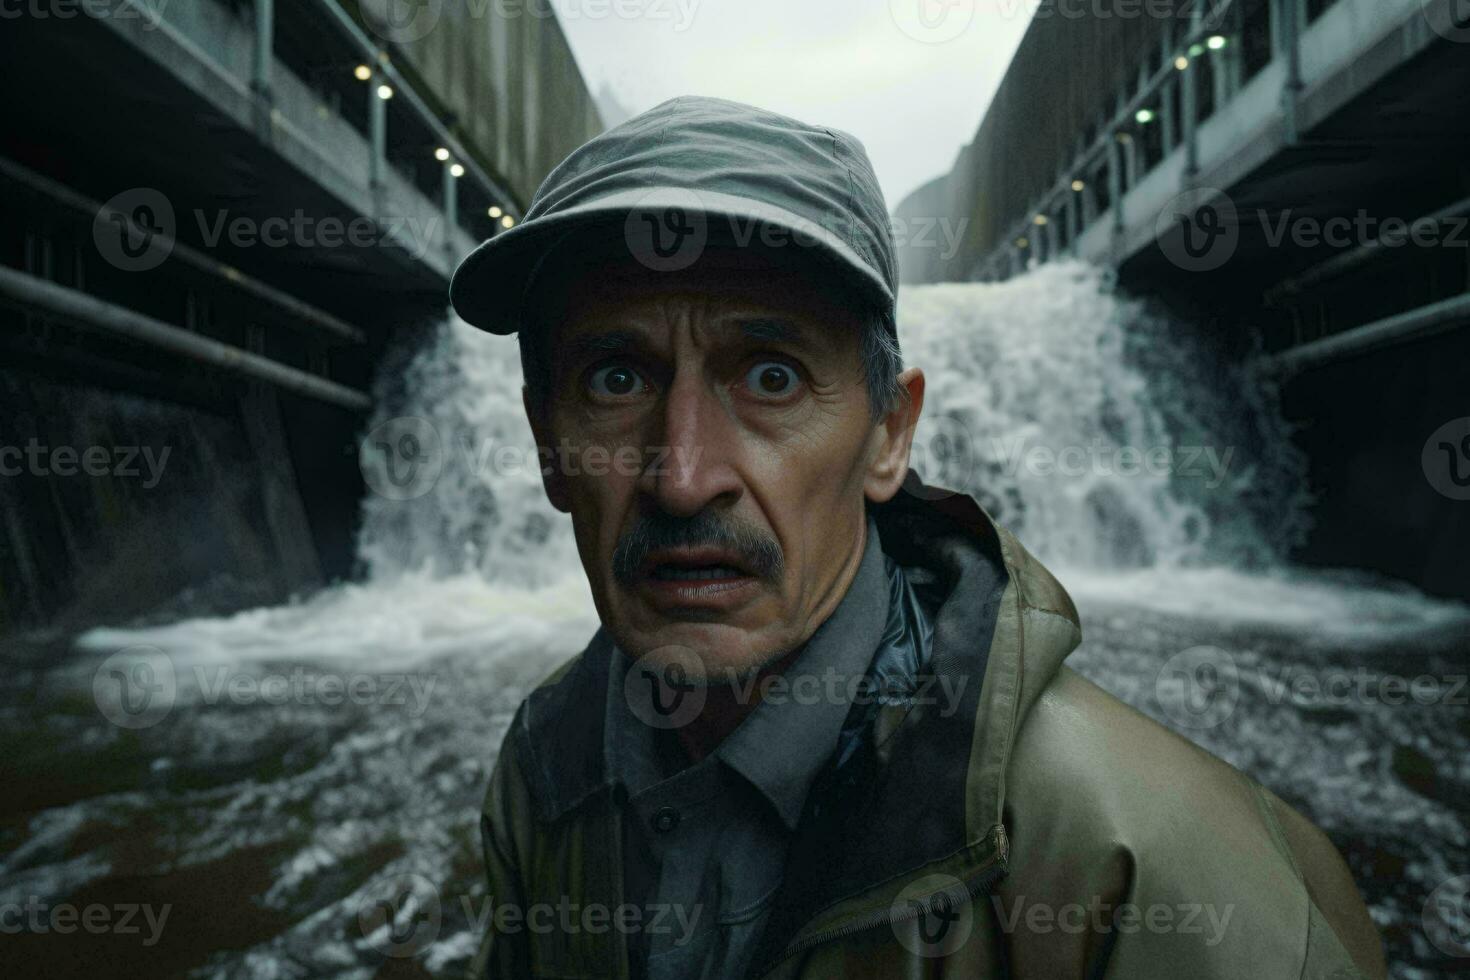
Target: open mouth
[(698, 573), (696, 577)]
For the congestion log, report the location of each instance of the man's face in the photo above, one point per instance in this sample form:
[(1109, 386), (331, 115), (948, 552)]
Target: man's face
[(712, 439)]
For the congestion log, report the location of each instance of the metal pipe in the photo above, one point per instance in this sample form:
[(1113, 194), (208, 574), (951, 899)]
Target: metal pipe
[(1401, 328), (1351, 259), (69, 305), (187, 255)]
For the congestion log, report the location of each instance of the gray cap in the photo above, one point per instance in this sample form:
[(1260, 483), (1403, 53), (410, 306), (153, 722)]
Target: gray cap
[(684, 173)]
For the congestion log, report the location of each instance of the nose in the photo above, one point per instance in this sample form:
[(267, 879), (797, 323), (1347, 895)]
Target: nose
[(694, 469)]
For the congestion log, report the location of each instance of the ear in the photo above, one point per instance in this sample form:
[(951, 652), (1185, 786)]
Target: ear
[(552, 478), (893, 437)]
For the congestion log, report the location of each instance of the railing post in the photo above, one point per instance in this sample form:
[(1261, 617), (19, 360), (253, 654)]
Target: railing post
[(265, 33), (1286, 21), (1189, 108), (1115, 177), (1074, 219), (378, 132), (451, 204)]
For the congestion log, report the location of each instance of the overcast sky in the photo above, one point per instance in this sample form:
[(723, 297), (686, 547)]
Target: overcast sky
[(910, 78)]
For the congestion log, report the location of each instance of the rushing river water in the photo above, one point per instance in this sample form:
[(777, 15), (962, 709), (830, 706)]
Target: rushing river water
[(297, 770)]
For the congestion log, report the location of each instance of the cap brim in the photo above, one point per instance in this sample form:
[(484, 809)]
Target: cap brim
[(489, 287)]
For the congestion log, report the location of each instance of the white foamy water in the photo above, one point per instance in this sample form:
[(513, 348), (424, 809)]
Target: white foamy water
[(1143, 472)]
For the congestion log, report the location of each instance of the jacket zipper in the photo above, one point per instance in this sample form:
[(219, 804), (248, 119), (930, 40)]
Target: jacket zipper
[(980, 882)]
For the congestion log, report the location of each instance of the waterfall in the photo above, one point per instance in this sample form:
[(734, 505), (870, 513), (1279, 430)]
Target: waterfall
[(1143, 469), (1077, 417)]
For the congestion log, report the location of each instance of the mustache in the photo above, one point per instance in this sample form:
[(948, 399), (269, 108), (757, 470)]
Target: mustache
[(757, 552)]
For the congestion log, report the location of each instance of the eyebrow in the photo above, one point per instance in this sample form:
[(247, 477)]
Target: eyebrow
[(597, 344), (771, 330)]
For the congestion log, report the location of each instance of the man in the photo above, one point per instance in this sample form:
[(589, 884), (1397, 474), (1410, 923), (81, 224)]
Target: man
[(825, 730)]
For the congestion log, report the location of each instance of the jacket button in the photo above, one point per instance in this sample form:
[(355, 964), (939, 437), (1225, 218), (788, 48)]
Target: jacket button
[(665, 819)]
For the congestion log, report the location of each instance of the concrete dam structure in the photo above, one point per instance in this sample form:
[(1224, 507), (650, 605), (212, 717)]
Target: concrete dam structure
[(1289, 177), (218, 216)]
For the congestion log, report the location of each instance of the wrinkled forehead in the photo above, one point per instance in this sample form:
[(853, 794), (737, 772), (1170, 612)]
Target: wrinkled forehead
[(585, 284)]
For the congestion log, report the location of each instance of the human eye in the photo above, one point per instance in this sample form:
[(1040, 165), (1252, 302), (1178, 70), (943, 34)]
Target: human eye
[(615, 381), (772, 379)]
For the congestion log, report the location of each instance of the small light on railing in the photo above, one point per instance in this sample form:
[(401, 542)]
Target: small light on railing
[(1079, 186), (1125, 138), (495, 211), (1144, 116), (362, 73), (385, 92), (1041, 221), (457, 170), (507, 222), (1023, 242), (1195, 50), (1216, 42), (1181, 62), (442, 155)]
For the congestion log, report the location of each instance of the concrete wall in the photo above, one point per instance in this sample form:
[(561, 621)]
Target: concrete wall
[(1067, 76), (504, 71)]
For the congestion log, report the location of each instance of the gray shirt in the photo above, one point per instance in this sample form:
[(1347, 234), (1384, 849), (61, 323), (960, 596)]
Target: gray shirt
[(704, 845)]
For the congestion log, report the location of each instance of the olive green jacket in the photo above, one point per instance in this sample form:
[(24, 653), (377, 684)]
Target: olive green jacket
[(1043, 830)]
